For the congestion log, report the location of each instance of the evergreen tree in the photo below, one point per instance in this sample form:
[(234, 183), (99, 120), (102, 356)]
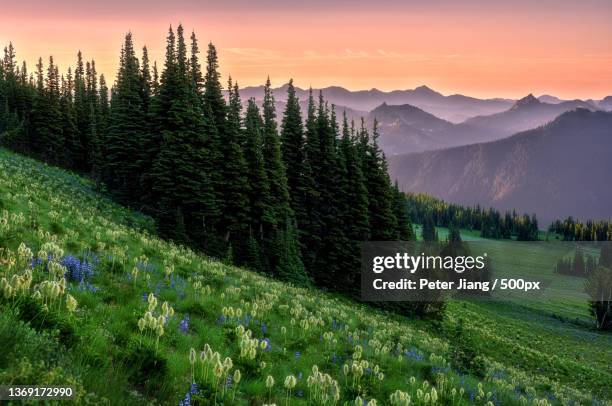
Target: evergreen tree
[(181, 185), (126, 129), (383, 223), (215, 110), (403, 229), (292, 147), (234, 172), (46, 115), (261, 210), (69, 125), (275, 169), (429, 229)]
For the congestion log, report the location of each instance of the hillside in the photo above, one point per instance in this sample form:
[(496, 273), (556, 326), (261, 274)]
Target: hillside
[(554, 171), (116, 269), (54, 211)]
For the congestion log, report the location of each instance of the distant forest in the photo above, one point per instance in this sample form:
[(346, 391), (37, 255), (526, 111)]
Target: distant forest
[(430, 211), (574, 230), (294, 202)]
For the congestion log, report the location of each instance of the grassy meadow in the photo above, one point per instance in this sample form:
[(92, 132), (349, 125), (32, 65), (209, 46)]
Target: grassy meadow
[(91, 298)]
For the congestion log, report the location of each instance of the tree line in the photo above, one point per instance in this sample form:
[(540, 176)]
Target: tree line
[(432, 212), (573, 230), (293, 199)]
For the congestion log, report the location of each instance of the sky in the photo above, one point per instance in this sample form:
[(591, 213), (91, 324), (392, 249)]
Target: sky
[(482, 48)]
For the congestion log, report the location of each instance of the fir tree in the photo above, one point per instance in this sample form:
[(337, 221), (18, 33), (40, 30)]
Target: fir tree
[(127, 121), (234, 172), (292, 137)]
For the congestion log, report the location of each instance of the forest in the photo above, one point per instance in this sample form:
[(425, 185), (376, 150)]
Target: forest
[(292, 199), (432, 212)]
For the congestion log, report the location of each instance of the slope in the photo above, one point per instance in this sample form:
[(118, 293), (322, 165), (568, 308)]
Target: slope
[(555, 171), (55, 227)]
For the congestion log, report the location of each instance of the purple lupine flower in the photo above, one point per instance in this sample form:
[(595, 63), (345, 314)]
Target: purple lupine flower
[(76, 269), (184, 324)]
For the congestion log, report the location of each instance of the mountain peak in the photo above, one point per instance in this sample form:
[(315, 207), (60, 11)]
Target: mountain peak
[(425, 91), (528, 100)]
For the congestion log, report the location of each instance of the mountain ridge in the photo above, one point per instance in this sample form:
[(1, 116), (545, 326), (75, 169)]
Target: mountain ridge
[(555, 170)]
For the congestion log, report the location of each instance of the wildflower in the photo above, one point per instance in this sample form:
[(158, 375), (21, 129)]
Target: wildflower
[(290, 382), (184, 324), (227, 363), (71, 303), (141, 324)]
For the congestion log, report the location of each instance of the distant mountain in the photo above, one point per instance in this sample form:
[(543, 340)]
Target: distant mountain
[(406, 128), (557, 170), (546, 98), (525, 114), (606, 103), (455, 108)]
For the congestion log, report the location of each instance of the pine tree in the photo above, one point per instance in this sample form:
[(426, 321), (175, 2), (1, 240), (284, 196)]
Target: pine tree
[(215, 111), (82, 114), (403, 229), (180, 182), (261, 210), (382, 218), (126, 130), (69, 126), (46, 115), (357, 220), (310, 221), (429, 229), (234, 172), (275, 169), (292, 147)]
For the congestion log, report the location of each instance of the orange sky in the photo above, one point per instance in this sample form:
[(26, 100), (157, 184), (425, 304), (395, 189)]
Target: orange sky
[(481, 48)]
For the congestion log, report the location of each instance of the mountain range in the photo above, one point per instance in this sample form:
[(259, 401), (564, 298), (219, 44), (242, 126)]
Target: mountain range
[(407, 128), (557, 170), (414, 120), (455, 108)]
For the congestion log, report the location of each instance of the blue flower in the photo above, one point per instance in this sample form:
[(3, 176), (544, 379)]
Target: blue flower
[(76, 269), (414, 354), (184, 324)]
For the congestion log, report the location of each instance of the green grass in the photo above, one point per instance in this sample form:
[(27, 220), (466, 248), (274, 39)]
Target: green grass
[(504, 353)]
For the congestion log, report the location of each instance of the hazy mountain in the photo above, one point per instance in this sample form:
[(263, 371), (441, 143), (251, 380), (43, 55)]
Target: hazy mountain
[(525, 114), (406, 128), (557, 170), (454, 108), (606, 103), (546, 98)]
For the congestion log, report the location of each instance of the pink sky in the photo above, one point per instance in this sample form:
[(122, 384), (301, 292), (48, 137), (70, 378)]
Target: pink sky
[(481, 48)]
